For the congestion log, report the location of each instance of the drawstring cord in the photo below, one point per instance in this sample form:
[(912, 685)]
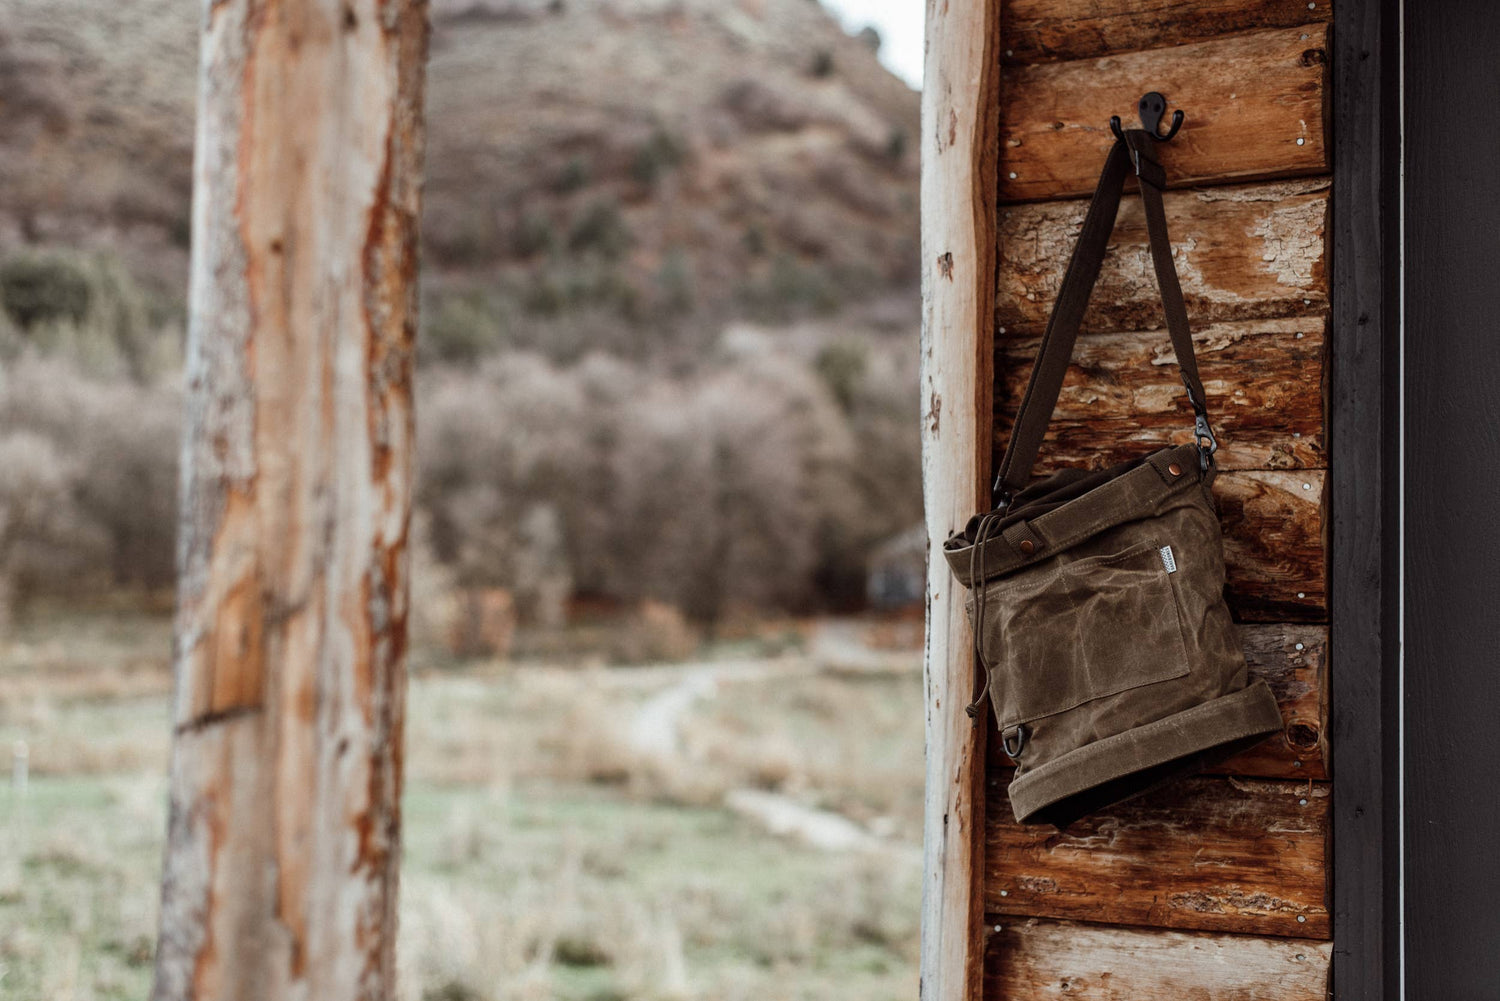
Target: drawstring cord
[(976, 562)]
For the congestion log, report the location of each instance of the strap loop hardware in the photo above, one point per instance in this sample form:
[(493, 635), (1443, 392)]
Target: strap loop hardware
[(1207, 443), (1013, 740)]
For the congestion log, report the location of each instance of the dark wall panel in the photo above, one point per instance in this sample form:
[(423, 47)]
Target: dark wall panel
[(1452, 486)]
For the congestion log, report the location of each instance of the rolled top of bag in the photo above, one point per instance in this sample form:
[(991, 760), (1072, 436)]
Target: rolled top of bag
[(1073, 505)]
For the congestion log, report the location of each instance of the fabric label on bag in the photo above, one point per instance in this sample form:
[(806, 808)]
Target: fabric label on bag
[(1168, 560)]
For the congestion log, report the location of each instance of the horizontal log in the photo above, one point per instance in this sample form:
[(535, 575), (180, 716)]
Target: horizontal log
[(1050, 30), (1273, 544), (1040, 960), (1123, 395), (1207, 853), (1254, 105), (1242, 252), (1292, 660)]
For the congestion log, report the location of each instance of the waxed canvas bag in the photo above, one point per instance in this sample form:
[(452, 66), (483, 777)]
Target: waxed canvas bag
[(1097, 596)]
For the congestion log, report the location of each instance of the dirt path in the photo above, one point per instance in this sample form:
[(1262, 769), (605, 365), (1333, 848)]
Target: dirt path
[(655, 732)]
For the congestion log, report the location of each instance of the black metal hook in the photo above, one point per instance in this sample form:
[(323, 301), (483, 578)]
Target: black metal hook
[(1151, 108)]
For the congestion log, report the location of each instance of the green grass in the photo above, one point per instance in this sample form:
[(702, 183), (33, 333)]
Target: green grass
[(604, 885), (78, 865), (526, 875)]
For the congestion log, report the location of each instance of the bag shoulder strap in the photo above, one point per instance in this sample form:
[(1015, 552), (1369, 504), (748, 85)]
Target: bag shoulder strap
[(1056, 349)]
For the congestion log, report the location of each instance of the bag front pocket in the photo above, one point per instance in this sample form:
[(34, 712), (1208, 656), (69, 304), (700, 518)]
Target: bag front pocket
[(1085, 630)]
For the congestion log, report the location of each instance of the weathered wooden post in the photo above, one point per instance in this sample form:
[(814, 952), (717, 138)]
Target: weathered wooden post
[(960, 151), (281, 864)]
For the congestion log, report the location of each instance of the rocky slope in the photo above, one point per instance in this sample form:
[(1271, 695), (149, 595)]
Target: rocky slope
[(637, 158)]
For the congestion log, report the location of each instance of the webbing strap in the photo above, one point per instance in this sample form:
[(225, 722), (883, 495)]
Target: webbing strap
[(1056, 349)]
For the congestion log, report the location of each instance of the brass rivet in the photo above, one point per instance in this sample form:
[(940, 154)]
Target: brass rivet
[(1028, 547), (1175, 469)]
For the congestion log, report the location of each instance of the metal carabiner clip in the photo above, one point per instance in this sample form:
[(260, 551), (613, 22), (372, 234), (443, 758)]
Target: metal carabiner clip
[(1203, 433)]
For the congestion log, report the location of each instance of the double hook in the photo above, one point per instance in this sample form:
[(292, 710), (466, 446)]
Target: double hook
[(1151, 107)]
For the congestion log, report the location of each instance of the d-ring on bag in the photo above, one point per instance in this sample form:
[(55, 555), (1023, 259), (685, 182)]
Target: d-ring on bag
[(1097, 597)]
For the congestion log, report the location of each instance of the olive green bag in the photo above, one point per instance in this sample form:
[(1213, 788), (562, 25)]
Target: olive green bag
[(1097, 596)]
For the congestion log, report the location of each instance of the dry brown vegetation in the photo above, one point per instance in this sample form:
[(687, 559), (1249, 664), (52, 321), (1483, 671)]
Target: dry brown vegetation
[(756, 480), (747, 484)]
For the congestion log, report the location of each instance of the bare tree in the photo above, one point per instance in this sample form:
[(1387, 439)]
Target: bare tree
[(281, 864)]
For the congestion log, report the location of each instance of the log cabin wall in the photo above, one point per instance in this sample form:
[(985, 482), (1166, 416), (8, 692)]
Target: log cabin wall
[(1216, 886)]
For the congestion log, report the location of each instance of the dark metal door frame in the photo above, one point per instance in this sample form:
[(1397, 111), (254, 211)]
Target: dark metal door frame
[(1364, 506), (1414, 538)]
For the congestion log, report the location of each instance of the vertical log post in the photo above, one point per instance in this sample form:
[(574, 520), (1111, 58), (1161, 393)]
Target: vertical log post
[(281, 864), (960, 129)]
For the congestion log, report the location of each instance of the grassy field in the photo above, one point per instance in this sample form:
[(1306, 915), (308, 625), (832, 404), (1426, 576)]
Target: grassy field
[(546, 856)]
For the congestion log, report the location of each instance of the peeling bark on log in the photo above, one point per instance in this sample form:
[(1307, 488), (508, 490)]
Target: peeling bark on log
[(1243, 252), (1053, 30), (1292, 660), (1123, 397), (1273, 544), (1042, 960), (281, 866), (1254, 107), (1205, 853), (960, 117)]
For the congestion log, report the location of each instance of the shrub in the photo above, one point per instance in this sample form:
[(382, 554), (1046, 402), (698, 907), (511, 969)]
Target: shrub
[(91, 481), (40, 288), (660, 153), (88, 309), (130, 490), (544, 295), (460, 329), (568, 286), (600, 229), (842, 366), (756, 483), (534, 234), (896, 144), (573, 176), (791, 289), (38, 519), (497, 449), (463, 240), (676, 284), (754, 239), (725, 478)]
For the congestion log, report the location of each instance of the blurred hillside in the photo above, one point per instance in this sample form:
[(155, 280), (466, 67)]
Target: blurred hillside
[(669, 298), (646, 156)]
